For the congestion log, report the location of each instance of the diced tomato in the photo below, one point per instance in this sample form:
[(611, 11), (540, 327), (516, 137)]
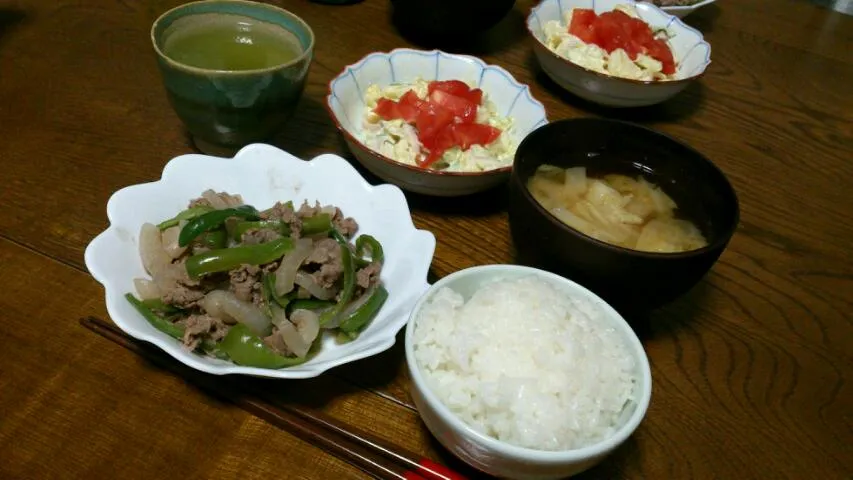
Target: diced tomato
[(444, 120), (659, 50), (467, 134), (430, 122), (441, 142), (462, 108), (610, 33), (616, 29), (453, 87), (457, 88), (462, 135), (410, 105), (582, 24), (475, 96), (387, 109)]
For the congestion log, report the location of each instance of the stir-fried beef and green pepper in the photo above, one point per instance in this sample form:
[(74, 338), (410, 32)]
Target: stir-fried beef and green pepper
[(258, 287)]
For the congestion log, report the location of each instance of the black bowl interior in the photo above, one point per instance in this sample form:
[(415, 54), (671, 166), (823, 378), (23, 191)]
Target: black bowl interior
[(701, 191), (454, 18)]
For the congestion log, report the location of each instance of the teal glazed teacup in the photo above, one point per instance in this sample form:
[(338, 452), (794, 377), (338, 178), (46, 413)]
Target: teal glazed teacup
[(229, 102)]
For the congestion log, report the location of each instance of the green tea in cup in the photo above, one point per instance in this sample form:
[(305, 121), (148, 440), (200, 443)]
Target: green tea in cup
[(233, 70)]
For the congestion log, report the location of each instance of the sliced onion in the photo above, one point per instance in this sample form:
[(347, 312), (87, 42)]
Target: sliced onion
[(224, 304), (169, 238), (146, 289), (286, 272), (154, 257), (329, 209), (214, 199), (350, 308), (307, 323), (295, 341), (307, 282)]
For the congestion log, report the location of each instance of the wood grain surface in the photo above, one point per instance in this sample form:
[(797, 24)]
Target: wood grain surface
[(752, 369)]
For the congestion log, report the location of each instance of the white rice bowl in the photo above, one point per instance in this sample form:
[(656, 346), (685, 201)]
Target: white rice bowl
[(524, 363)]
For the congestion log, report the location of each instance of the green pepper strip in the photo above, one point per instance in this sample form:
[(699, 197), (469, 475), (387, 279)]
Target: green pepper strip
[(237, 229), (317, 224), (224, 259), (155, 320), (358, 319), (157, 305), (269, 296), (214, 239), (349, 280), (246, 348), (187, 214), (376, 254), (213, 220)]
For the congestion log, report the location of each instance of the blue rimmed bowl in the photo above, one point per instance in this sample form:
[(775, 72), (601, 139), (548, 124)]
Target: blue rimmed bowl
[(691, 52), (346, 105)]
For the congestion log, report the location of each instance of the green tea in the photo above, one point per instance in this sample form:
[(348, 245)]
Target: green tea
[(217, 41)]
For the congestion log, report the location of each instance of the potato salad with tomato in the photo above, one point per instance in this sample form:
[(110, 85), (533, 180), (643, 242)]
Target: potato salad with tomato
[(442, 125), (615, 43)]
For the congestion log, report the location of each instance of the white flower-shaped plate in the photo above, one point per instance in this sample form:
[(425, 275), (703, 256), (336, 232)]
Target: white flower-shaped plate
[(263, 174)]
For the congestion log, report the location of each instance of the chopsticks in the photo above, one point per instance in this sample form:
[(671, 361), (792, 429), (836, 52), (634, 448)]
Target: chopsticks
[(371, 454)]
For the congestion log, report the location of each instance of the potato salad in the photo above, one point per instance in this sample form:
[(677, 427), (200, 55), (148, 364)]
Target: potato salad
[(615, 43), (441, 125)]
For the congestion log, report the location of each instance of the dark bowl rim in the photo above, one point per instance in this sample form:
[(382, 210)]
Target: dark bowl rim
[(651, 83), (719, 244)]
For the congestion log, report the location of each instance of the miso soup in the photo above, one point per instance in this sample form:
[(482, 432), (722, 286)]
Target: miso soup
[(617, 209), (218, 41)]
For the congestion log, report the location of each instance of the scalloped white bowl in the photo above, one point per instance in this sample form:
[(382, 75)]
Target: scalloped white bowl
[(346, 105), (263, 174), (691, 52)]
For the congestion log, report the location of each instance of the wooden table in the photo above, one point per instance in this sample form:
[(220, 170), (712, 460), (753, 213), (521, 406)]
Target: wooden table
[(752, 369)]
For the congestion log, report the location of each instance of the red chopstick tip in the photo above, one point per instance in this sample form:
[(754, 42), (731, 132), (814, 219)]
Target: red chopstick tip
[(433, 471)]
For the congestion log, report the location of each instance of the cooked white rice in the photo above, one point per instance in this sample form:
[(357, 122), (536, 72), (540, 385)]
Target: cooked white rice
[(526, 364)]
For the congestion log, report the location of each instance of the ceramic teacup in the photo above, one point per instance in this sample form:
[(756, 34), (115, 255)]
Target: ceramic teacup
[(227, 108)]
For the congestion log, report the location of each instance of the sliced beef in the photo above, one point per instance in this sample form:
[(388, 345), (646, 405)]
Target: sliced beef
[(245, 282), (368, 275), (279, 211), (306, 210), (326, 255), (255, 236), (198, 327), (180, 290), (275, 342), (284, 213), (325, 250), (346, 225)]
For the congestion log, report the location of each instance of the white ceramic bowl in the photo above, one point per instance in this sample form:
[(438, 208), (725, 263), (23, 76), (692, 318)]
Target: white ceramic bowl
[(686, 10), (499, 458), (346, 105), (692, 56), (262, 175)]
